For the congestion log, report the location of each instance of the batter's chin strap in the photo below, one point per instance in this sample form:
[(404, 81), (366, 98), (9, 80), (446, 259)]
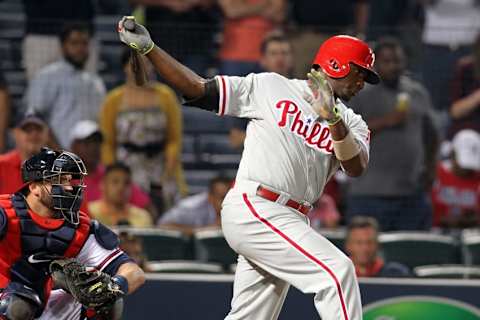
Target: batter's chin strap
[(210, 99)]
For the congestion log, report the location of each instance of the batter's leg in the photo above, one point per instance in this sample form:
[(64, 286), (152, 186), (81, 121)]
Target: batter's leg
[(280, 242), (256, 293)]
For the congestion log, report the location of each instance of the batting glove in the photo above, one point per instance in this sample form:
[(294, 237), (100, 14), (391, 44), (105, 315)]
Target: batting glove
[(322, 99), (135, 35)]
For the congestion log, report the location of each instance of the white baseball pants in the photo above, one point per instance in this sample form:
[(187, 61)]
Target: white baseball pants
[(277, 248)]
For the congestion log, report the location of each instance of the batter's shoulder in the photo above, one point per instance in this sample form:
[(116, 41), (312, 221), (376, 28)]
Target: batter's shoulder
[(270, 76)]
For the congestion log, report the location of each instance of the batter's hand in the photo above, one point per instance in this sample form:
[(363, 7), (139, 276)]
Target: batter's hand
[(322, 99), (136, 38)]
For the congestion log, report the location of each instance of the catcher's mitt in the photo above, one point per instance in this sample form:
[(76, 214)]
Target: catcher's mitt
[(92, 288)]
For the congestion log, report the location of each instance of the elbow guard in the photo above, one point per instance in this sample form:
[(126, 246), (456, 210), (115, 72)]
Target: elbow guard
[(210, 99)]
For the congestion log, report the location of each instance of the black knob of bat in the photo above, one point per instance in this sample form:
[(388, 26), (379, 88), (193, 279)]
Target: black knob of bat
[(129, 24)]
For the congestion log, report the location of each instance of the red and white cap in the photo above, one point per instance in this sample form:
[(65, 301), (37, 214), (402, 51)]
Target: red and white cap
[(337, 52)]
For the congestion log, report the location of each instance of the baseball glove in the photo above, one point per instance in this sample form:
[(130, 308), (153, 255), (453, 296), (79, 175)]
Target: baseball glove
[(92, 288)]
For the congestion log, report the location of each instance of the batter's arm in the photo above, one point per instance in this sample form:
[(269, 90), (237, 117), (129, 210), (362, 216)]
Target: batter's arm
[(355, 166), (181, 78)]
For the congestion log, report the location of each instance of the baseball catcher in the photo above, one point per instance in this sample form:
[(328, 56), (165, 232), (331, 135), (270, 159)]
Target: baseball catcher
[(55, 262)]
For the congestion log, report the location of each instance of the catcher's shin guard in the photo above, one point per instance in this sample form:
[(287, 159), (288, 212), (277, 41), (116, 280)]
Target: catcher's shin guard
[(21, 304)]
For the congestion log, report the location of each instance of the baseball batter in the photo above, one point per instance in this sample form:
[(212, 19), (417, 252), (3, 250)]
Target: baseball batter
[(300, 133)]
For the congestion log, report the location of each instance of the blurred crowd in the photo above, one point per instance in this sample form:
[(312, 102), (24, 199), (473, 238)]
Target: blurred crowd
[(424, 117)]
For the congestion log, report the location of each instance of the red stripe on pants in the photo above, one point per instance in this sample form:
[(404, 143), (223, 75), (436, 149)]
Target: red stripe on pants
[(301, 250)]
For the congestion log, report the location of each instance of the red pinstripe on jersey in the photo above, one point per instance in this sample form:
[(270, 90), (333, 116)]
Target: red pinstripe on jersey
[(223, 97)]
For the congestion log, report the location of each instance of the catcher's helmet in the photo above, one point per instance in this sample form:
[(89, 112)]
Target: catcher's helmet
[(49, 166), (337, 52)]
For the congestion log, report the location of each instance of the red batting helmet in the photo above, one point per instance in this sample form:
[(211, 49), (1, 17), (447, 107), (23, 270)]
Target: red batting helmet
[(336, 54)]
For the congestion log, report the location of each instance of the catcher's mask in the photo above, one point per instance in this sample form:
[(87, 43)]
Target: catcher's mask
[(65, 172)]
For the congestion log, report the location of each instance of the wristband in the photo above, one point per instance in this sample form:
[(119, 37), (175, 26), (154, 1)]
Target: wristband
[(145, 52), (336, 119), (122, 282), (347, 148)]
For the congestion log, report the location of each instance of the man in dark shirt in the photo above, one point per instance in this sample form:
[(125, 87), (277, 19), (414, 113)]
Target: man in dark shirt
[(172, 24), (316, 22)]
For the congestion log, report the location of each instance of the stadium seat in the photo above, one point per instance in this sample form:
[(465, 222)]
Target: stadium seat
[(189, 155), (110, 59), (12, 24), (181, 266), (471, 247), (162, 244), (415, 249), (7, 61), (197, 180), (105, 28), (197, 121), (17, 82), (214, 149), (211, 246), (447, 271), (337, 237), (11, 6)]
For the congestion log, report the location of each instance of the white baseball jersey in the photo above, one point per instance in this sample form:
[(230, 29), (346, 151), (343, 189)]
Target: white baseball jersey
[(287, 147), (61, 305)]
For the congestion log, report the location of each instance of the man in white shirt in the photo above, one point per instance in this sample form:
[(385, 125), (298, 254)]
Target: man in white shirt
[(299, 135), (63, 92), (199, 210)]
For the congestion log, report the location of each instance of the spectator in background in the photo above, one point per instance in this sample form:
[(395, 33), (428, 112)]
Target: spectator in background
[(465, 108), (185, 29), (245, 26), (276, 56), (324, 214), (133, 247), (142, 127), (86, 143), (456, 191), (449, 31), (30, 135), (200, 210), (113, 208), (315, 21), (64, 92), (361, 245), (403, 147), (43, 20), (5, 111), (402, 19)]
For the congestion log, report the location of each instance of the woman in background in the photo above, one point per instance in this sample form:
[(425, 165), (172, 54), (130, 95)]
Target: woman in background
[(142, 127)]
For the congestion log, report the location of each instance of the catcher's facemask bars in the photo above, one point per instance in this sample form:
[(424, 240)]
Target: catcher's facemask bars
[(66, 178)]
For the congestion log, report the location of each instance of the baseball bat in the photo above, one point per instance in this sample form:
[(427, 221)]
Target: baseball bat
[(136, 61)]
